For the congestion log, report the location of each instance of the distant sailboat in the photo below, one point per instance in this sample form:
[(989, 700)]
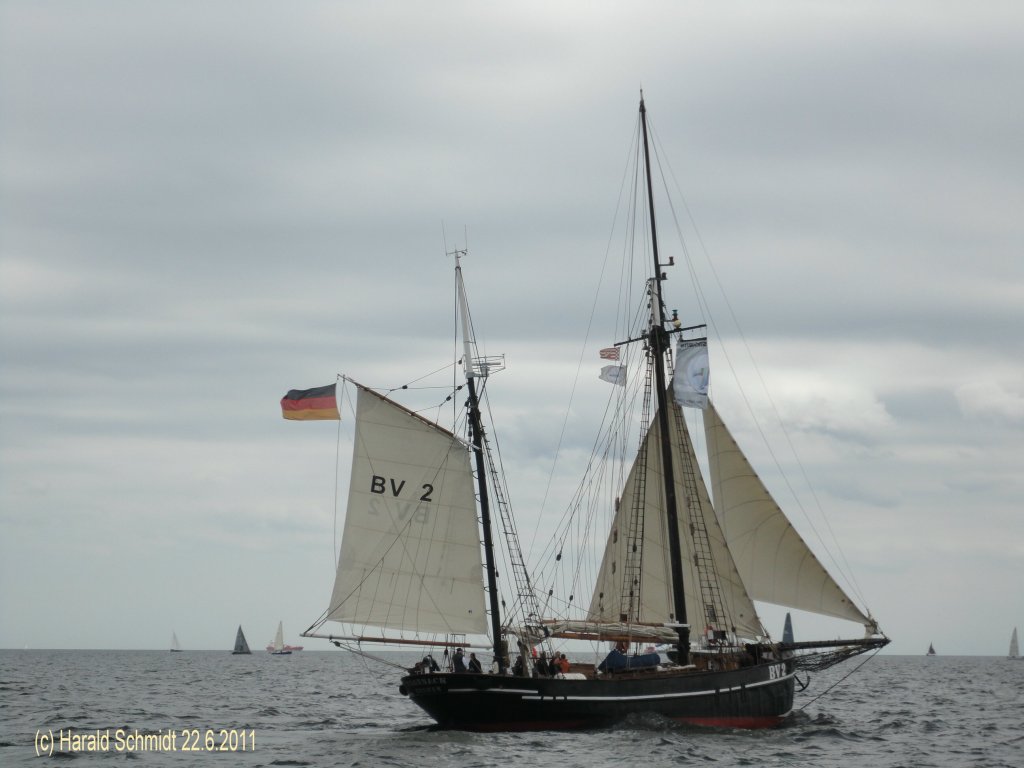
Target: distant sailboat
[(279, 649), (272, 646), (931, 650), (240, 645), (787, 630), (1014, 647), (175, 645)]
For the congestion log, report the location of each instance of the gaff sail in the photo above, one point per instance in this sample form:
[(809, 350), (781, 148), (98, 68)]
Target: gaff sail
[(410, 554)]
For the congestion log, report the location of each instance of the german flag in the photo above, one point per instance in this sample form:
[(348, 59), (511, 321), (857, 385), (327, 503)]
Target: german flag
[(311, 404)]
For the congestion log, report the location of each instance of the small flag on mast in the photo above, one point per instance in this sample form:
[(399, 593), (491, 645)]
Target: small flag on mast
[(609, 353), (318, 404), (614, 374)]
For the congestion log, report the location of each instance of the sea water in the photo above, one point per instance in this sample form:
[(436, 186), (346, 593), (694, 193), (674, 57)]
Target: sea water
[(330, 708)]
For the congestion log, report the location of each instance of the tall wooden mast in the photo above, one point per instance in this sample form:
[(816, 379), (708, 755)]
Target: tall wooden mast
[(477, 444), (659, 341)]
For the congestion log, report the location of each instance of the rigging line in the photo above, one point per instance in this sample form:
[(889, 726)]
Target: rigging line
[(437, 407), (508, 528), (604, 442), (319, 621), (421, 378), (455, 328), (702, 305), (608, 453), (469, 339), (369, 656), (437, 419), (841, 562), (337, 461), (586, 338), (615, 405), (840, 680)]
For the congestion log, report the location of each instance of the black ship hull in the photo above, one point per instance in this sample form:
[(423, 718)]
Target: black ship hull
[(757, 696)]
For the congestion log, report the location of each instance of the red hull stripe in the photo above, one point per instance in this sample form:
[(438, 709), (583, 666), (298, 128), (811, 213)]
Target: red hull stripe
[(748, 722), (745, 723)]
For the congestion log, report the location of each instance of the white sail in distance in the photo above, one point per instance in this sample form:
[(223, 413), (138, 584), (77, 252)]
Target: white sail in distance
[(656, 598), (774, 561), (410, 554)]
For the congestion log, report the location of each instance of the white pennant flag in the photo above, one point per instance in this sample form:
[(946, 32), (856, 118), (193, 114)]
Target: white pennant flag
[(614, 374), (690, 382)]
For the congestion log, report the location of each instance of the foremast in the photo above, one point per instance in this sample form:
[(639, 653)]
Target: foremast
[(659, 343), (476, 439)]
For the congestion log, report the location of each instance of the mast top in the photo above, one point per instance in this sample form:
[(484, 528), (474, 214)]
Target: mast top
[(473, 364)]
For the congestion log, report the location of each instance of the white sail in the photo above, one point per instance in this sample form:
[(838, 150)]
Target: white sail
[(279, 637), (1014, 648), (774, 561), (410, 553), (175, 645), (656, 599)]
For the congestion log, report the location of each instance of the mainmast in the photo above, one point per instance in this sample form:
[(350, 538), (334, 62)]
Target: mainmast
[(477, 442), (658, 339)]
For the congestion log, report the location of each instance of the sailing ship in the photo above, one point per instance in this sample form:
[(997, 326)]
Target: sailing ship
[(278, 648), (241, 646), (931, 650), (175, 645), (672, 604), (1014, 647)]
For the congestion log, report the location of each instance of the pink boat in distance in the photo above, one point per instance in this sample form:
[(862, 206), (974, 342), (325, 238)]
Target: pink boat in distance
[(278, 647)]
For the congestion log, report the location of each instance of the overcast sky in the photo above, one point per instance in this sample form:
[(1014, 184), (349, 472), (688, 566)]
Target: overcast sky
[(203, 205)]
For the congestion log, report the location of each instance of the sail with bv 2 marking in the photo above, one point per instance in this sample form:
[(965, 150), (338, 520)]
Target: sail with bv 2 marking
[(410, 527)]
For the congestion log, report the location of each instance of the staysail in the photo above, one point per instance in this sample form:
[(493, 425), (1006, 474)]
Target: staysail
[(279, 637), (773, 560), (655, 600), (410, 554)]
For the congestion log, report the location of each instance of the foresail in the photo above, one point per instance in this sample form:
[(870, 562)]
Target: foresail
[(774, 561), (655, 599), (410, 554)]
